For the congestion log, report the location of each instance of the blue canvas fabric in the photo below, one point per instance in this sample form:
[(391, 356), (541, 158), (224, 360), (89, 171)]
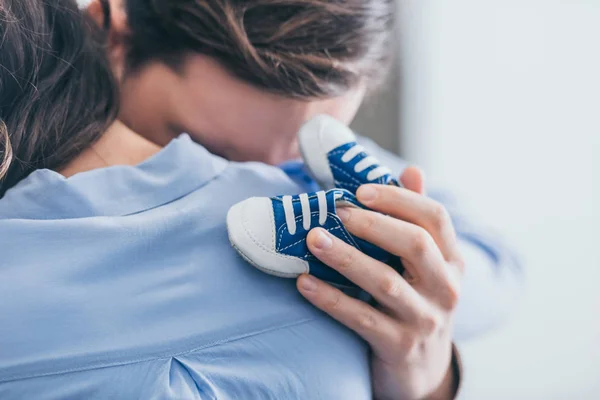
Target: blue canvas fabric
[(343, 172), (295, 245)]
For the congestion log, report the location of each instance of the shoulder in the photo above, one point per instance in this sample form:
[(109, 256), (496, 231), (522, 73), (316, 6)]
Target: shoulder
[(256, 179)]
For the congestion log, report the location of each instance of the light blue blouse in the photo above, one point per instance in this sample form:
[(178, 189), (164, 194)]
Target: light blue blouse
[(120, 283)]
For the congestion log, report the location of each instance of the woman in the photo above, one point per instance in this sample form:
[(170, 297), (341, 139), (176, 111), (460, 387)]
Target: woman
[(117, 280), (241, 77)]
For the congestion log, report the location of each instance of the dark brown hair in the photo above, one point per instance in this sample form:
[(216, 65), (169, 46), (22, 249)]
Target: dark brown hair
[(57, 94), (296, 48)]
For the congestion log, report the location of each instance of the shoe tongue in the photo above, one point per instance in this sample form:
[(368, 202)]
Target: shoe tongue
[(344, 198), (389, 180)]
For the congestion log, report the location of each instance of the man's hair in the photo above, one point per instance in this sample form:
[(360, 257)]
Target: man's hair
[(57, 93), (295, 48)]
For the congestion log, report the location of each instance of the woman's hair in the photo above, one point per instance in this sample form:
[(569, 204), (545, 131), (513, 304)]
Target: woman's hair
[(57, 94), (295, 48)]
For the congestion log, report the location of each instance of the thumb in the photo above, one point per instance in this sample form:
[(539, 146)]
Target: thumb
[(413, 179)]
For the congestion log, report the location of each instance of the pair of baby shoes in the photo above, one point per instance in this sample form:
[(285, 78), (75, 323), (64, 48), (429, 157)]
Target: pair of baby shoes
[(270, 233)]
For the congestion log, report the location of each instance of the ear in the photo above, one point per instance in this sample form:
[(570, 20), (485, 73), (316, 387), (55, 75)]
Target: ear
[(114, 10), (95, 10), (99, 10)]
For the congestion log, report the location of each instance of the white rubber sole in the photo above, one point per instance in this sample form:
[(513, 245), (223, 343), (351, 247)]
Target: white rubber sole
[(257, 251)]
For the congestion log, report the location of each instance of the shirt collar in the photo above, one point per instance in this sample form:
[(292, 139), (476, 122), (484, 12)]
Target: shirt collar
[(177, 170)]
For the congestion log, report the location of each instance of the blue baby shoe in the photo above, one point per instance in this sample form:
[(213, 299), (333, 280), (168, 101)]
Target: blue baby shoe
[(336, 160), (270, 233)]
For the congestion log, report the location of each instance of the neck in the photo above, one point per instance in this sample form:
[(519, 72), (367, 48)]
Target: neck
[(118, 146)]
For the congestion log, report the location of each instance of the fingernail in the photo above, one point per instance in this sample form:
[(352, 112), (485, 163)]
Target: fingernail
[(308, 284), (343, 213), (322, 240), (366, 193)]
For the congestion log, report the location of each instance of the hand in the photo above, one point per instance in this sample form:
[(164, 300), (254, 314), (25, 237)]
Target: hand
[(409, 331)]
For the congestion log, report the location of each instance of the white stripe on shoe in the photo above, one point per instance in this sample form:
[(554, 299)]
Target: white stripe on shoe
[(322, 207), (290, 217)]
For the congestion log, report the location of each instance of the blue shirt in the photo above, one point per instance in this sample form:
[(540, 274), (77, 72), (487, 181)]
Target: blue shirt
[(120, 283)]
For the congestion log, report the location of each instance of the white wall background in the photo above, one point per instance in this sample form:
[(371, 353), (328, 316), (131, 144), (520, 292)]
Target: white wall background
[(501, 102), (378, 116)]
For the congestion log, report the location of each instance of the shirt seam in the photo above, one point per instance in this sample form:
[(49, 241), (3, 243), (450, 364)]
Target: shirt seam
[(207, 182), (216, 343)]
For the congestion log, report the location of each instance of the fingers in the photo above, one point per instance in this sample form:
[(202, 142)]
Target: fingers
[(413, 244), (417, 209), (408, 241), (371, 324), (384, 283), (413, 179)]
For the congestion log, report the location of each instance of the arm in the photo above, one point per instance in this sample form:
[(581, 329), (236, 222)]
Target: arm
[(493, 279), (409, 326)]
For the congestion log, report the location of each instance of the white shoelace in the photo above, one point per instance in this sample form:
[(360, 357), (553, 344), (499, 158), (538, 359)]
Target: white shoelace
[(290, 215), (365, 163)]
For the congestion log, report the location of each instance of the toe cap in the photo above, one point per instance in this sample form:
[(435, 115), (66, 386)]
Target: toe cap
[(251, 229), (329, 132)]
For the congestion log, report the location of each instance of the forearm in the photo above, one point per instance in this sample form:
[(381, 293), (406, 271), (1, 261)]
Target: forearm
[(449, 389), (491, 289)]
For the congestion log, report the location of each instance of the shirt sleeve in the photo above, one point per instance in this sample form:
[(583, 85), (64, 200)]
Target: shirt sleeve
[(494, 279)]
